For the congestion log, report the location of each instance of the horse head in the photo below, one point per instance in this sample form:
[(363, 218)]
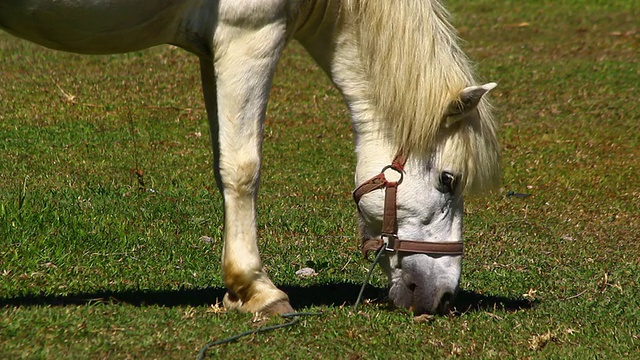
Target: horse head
[(419, 230)]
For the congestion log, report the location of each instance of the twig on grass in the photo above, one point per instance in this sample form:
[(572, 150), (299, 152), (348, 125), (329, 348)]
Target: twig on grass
[(23, 193), (573, 296), (345, 265)]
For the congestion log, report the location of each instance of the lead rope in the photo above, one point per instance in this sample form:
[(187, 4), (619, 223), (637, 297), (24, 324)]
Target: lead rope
[(389, 221), (366, 279), (295, 315), (296, 318), (397, 164)]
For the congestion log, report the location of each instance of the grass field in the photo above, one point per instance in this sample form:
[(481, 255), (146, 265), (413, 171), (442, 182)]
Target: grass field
[(110, 222)]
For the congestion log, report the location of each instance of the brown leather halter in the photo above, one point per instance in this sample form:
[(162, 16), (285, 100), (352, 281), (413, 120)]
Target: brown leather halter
[(389, 235)]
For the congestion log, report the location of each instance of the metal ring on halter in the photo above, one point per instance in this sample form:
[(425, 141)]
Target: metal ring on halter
[(392, 167)]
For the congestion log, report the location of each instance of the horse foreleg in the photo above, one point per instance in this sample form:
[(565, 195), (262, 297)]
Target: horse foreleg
[(236, 97)]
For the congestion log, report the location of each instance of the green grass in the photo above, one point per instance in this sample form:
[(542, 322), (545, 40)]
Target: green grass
[(92, 267)]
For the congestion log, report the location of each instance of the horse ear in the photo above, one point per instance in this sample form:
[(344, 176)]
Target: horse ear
[(466, 102)]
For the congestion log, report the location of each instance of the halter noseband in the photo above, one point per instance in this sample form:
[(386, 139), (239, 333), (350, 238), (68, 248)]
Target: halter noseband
[(389, 235)]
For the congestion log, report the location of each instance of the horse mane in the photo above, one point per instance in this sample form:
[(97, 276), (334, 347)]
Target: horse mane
[(415, 69)]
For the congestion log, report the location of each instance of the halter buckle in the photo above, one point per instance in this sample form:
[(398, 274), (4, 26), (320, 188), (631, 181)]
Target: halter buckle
[(389, 241)]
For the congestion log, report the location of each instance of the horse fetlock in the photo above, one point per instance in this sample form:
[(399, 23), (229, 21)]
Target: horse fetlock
[(231, 301), (253, 291)]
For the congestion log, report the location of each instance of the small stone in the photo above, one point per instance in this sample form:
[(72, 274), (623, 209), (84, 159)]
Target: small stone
[(424, 318), (206, 239), (306, 272)]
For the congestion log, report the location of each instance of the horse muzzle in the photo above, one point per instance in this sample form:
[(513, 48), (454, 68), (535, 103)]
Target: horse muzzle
[(426, 285)]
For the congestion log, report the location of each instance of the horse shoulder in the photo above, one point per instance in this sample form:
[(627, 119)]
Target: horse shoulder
[(252, 13)]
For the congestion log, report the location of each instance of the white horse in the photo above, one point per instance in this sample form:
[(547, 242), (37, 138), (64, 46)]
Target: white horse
[(407, 84)]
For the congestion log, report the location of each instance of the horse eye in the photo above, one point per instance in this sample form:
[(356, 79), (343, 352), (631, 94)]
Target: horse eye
[(447, 182)]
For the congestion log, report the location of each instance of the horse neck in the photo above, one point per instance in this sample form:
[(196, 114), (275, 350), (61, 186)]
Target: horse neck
[(333, 45)]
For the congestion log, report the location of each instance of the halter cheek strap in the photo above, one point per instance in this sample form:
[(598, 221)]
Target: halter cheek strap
[(389, 235)]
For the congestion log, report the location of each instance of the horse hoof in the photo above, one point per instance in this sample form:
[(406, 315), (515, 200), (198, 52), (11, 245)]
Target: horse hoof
[(232, 302), (277, 308)]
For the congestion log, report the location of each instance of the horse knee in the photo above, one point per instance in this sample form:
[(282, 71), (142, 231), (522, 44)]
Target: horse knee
[(240, 178)]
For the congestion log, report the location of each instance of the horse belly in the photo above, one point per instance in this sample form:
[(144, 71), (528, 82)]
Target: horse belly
[(93, 27)]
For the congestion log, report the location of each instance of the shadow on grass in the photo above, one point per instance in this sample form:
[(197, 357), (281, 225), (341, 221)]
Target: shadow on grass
[(315, 295), (469, 301), (336, 294)]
